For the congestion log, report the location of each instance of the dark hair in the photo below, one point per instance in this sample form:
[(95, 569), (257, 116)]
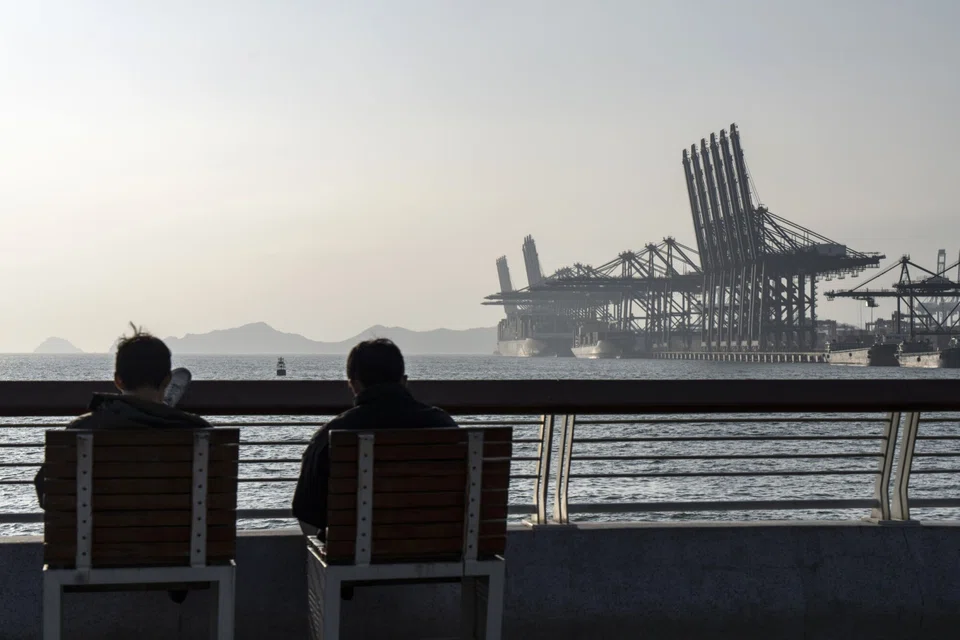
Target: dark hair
[(143, 361), (374, 362)]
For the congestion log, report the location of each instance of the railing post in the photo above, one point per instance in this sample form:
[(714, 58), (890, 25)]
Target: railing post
[(881, 491), (908, 442), (560, 502), (541, 489)]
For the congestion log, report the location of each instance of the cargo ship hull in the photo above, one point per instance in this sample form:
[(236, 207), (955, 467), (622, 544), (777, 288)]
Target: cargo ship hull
[(879, 355), (527, 348), (535, 348), (602, 350), (944, 359)]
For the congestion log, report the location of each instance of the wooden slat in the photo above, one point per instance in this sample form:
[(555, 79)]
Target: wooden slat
[(418, 477), (68, 535), (422, 452), (139, 437), (131, 502), (140, 470), (162, 453), (127, 486), (429, 531), (408, 516), (141, 498), (140, 518), (408, 500), (136, 554), (416, 469), (387, 437), (386, 550), (491, 481)]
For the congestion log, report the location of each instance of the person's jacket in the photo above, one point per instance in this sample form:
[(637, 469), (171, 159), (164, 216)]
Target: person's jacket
[(114, 411), (384, 406)]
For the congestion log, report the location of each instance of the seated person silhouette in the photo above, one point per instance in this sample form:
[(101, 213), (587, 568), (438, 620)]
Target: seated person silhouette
[(375, 373), (143, 376)]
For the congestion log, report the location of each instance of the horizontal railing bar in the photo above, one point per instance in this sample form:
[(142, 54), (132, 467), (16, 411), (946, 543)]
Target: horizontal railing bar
[(725, 474), (934, 471), (950, 454), (738, 505), (35, 426), (935, 502), (728, 420), (227, 398), (35, 517), (36, 464), (249, 423), (938, 437), (462, 423), (724, 438), (257, 480), (21, 518), (743, 456), (472, 423)]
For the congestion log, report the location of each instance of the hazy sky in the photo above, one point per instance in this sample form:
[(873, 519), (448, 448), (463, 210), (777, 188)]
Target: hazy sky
[(325, 166)]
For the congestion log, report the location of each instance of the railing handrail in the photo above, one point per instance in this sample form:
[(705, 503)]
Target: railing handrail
[(517, 397), (890, 410)]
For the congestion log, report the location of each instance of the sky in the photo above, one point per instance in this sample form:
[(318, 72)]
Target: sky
[(327, 166)]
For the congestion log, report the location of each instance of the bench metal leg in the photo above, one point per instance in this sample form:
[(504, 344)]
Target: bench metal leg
[(223, 614), (494, 609), (469, 605), (331, 609), (52, 616), (323, 593), (482, 606)]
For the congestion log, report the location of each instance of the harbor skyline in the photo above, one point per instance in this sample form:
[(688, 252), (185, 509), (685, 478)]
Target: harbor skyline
[(327, 169)]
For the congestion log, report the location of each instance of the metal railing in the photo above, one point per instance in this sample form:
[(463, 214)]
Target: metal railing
[(589, 449)]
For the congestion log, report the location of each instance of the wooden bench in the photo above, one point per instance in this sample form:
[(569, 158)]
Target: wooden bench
[(415, 505), (129, 509)]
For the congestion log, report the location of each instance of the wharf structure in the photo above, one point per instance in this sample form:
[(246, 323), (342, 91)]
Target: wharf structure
[(838, 522), (750, 286), (924, 329)]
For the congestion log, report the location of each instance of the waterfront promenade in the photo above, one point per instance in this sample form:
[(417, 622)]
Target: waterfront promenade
[(885, 563)]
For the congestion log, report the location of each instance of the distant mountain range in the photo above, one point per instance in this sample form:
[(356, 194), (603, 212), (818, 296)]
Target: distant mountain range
[(260, 338), (56, 345)]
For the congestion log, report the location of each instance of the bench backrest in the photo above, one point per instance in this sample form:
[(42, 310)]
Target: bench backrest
[(417, 495), (140, 497)]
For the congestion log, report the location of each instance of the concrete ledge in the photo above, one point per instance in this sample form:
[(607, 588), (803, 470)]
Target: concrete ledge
[(677, 580)]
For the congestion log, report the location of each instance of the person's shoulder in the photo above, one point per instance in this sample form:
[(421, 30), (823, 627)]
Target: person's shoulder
[(196, 421), (440, 418), (352, 418), (86, 421)]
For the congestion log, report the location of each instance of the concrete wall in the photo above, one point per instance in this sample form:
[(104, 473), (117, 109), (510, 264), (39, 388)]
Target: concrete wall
[(713, 580)]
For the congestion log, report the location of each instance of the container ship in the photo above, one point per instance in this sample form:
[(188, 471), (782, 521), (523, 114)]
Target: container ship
[(524, 337), (855, 354), (596, 341), (925, 355)]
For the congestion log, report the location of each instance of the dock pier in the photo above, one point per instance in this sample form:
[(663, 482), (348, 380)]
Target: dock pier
[(764, 357)]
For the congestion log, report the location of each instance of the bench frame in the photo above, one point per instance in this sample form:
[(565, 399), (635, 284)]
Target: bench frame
[(482, 581), (83, 577)]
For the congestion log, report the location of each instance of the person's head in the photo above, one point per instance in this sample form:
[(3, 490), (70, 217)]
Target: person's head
[(374, 362), (143, 365)]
